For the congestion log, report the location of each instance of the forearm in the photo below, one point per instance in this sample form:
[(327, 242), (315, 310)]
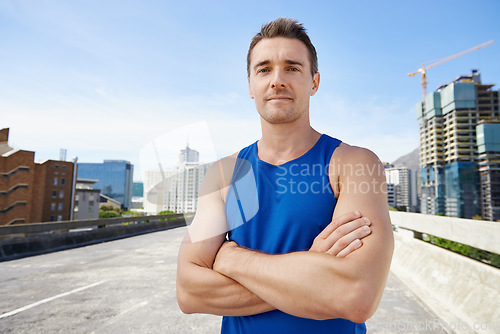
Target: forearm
[(203, 290), (306, 284)]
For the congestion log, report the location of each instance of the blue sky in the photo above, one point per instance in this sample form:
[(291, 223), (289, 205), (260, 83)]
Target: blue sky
[(105, 79)]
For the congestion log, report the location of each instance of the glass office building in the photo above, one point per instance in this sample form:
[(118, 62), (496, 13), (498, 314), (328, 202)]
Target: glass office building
[(432, 190), (115, 179), (138, 189), (488, 143), (462, 189)]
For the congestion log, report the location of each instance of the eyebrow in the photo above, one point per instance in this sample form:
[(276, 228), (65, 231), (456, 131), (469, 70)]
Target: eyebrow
[(294, 62), (262, 63), (267, 62)]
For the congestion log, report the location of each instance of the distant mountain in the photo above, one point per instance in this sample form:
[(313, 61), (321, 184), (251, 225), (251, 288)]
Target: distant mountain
[(410, 160)]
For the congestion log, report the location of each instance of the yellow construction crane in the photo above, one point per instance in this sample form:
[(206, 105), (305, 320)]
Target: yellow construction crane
[(424, 68)]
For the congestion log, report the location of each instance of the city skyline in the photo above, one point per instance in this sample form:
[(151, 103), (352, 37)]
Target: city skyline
[(104, 80)]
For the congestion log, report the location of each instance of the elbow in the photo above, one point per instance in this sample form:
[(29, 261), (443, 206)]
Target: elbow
[(363, 305), (361, 313), (185, 301), (356, 308)]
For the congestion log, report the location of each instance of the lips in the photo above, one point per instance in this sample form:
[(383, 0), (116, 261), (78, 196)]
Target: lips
[(279, 98)]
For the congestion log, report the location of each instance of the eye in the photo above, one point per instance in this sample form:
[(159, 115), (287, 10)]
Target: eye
[(262, 70), (293, 69)]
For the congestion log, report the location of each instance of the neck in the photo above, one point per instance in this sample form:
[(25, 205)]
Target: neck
[(284, 142)]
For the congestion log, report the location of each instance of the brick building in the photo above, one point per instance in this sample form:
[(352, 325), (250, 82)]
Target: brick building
[(32, 192), (52, 191), (17, 173)]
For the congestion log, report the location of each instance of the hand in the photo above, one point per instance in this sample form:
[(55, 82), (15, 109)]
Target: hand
[(343, 235), (224, 250)]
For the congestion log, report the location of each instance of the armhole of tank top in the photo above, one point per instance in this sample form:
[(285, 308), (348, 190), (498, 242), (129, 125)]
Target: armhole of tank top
[(329, 165), (222, 175)]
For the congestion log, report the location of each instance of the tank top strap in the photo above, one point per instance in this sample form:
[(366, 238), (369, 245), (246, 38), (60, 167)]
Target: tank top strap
[(327, 145)]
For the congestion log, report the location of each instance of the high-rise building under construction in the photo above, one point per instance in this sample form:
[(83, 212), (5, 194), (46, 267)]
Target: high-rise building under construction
[(450, 183)]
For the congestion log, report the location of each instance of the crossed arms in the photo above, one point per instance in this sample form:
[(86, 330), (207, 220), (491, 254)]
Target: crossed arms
[(339, 277)]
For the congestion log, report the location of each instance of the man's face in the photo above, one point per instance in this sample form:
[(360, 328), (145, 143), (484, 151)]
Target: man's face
[(280, 79)]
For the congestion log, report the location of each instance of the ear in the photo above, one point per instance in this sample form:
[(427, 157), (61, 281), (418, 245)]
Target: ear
[(315, 84), (250, 91)]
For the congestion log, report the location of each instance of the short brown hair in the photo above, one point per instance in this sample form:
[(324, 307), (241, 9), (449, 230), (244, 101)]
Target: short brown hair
[(288, 28)]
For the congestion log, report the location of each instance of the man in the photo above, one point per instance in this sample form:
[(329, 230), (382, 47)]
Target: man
[(309, 237)]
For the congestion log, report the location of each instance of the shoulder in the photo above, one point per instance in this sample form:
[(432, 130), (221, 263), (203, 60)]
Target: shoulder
[(353, 161), (220, 171), (218, 176), (349, 154)]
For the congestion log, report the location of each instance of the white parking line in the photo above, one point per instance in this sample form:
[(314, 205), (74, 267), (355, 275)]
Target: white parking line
[(8, 314)]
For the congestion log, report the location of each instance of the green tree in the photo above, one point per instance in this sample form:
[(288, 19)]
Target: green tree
[(108, 214), (474, 253), (108, 211), (166, 212), (131, 214)]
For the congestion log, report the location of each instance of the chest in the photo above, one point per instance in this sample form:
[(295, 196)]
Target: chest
[(290, 207)]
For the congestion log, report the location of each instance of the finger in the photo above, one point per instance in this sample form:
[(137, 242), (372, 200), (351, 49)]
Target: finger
[(346, 240), (356, 244), (350, 216), (344, 230)]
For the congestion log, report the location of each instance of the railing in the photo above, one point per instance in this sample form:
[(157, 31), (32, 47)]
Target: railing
[(479, 234), (48, 227), (17, 241)]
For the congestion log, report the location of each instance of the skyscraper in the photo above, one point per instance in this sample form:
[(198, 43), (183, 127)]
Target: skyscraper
[(189, 155), (175, 189), (488, 148), (447, 119), (115, 179), (399, 187)]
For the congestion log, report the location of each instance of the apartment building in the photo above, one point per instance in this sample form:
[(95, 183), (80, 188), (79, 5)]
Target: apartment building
[(52, 191), (448, 117), (33, 192), (399, 190), (86, 200), (175, 189), (488, 142), (17, 174)]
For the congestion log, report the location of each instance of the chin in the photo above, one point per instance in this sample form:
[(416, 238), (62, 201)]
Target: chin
[(280, 117)]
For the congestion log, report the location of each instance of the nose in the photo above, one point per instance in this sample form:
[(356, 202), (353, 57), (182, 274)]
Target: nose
[(278, 80)]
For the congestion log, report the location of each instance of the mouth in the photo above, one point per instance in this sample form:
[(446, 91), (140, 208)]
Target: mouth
[(279, 98)]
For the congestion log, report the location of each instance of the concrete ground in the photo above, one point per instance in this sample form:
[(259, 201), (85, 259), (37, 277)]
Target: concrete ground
[(128, 286)]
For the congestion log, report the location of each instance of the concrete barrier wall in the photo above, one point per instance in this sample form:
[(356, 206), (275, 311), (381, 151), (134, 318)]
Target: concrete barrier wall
[(463, 292), (19, 247), (476, 233)]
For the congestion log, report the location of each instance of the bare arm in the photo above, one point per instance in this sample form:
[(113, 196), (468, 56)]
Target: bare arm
[(200, 289), (316, 285), (203, 290)]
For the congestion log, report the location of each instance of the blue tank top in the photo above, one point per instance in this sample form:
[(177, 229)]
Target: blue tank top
[(280, 209)]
